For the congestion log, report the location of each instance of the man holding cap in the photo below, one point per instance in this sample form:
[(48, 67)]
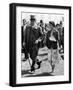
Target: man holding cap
[(32, 35)]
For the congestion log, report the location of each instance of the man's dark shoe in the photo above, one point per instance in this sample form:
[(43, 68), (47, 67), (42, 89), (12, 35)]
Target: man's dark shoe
[(32, 69), (53, 67)]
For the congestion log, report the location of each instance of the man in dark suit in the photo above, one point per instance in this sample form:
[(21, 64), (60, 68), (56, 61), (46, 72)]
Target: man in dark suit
[(32, 37)]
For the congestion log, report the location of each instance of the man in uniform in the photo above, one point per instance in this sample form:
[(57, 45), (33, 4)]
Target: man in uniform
[(32, 37)]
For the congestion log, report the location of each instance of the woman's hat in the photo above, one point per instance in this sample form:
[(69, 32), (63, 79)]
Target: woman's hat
[(52, 23)]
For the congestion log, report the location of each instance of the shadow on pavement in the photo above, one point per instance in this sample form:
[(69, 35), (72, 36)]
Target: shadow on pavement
[(36, 75)]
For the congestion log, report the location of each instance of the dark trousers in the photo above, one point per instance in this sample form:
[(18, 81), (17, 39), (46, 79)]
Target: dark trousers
[(33, 52)]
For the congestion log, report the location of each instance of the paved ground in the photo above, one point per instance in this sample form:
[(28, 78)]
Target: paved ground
[(45, 69)]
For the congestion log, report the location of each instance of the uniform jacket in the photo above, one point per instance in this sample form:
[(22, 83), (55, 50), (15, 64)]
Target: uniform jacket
[(31, 35)]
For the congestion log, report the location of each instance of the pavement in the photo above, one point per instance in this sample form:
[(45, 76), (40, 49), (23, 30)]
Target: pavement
[(45, 69)]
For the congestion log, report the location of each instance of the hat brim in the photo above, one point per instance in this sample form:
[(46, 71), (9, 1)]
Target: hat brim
[(52, 24), (32, 19)]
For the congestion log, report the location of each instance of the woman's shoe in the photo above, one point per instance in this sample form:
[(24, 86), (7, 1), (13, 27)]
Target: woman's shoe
[(39, 64)]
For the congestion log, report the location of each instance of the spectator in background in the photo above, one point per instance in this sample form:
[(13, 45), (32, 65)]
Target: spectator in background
[(61, 35), (22, 30), (42, 27)]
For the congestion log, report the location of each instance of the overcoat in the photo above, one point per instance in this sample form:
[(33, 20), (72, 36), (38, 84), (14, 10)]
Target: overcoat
[(31, 35)]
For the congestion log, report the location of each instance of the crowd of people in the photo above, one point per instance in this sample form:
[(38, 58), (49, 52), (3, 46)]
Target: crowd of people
[(37, 35)]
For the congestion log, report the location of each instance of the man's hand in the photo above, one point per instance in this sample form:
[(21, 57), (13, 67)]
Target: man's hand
[(38, 40)]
